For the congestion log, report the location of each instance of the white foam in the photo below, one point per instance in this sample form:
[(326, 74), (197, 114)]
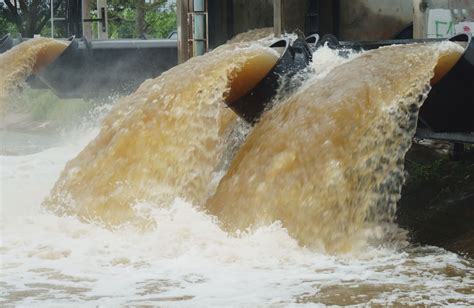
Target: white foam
[(325, 59), (187, 259)]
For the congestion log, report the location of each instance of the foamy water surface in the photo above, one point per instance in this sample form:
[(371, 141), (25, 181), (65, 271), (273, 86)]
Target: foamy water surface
[(187, 259)]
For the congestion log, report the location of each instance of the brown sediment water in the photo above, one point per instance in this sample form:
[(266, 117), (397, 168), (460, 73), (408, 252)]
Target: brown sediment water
[(328, 162), (163, 141), (27, 58), (253, 35), (166, 140), (446, 61)]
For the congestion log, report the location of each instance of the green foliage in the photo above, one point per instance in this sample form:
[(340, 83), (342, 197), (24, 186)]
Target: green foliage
[(123, 24), (27, 17), (427, 172), (161, 23), (7, 27), (43, 105), (159, 19), (439, 171)]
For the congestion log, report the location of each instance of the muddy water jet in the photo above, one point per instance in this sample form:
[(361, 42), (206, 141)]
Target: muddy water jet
[(25, 59), (328, 162), (51, 260), (163, 141)]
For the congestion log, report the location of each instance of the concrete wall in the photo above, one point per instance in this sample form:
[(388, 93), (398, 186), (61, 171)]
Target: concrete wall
[(373, 19), (228, 18), (252, 14), (293, 15), (358, 19), (438, 19), (221, 26), (382, 19)]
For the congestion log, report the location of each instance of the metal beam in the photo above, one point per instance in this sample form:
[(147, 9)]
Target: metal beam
[(86, 26), (182, 9), (453, 137), (277, 17), (103, 27)]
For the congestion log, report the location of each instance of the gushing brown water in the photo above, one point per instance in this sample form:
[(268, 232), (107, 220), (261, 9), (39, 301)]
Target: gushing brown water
[(446, 62), (25, 59), (326, 163), (330, 160), (49, 260), (253, 35), (164, 140)]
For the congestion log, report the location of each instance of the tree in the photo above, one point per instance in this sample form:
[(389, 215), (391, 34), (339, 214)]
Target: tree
[(127, 18), (140, 18), (7, 27), (29, 16)]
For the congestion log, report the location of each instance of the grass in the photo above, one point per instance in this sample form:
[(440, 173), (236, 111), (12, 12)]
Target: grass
[(44, 106), (442, 172)]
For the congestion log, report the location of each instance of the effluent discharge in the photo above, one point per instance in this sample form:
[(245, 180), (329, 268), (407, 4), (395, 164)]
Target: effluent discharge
[(175, 200)]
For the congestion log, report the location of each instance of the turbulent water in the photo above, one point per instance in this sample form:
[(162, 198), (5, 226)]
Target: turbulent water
[(159, 155), (25, 59), (330, 159), (163, 141)]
